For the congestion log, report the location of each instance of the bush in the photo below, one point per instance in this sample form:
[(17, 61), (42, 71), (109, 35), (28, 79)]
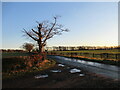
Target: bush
[(20, 65)]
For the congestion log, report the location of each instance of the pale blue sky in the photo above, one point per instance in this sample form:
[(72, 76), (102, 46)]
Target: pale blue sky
[(90, 23)]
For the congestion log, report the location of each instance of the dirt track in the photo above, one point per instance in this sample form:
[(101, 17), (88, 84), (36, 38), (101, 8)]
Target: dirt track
[(62, 79)]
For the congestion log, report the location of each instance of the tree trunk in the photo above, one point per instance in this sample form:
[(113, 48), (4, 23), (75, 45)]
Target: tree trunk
[(40, 51), (40, 47)]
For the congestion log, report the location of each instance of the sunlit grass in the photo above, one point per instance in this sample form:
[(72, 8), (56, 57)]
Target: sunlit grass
[(114, 51), (92, 54)]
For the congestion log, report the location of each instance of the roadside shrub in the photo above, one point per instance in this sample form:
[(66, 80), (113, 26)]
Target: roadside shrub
[(23, 63)]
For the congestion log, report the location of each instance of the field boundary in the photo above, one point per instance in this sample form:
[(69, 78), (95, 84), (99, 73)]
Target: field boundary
[(100, 56)]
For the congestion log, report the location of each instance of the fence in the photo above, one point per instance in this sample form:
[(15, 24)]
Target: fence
[(89, 55)]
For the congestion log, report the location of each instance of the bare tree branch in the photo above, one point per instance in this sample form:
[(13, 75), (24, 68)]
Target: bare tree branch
[(30, 35), (35, 31), (50, 29)]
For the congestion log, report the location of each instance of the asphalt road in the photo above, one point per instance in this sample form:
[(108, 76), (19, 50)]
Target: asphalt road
[(109, 71)]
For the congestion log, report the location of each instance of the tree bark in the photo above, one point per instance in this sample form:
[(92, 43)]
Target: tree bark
[(40, 51), (40, 47)]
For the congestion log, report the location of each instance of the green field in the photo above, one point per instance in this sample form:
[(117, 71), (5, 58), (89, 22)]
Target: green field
[(13, 54), (98, 54), (114, 51)]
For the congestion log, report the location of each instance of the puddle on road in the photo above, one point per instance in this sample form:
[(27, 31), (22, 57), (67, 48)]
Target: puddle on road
[(95, 67), (74, 60), (100, 65), (61, 65), (90, 63), (97, 64), (68, 67), (81, 75), (75, 70), (55, 71), (41, 76)]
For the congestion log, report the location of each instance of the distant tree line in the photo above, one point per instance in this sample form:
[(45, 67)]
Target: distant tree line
[(67, 48), (77, 48), (11, 50)]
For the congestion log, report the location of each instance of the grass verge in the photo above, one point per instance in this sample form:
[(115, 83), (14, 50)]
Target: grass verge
[(8, 74)]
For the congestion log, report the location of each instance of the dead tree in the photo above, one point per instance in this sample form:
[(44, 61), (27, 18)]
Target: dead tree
[(45, 31)]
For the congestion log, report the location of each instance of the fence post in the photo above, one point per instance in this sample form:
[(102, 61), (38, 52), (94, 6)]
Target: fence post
[(93, 55), (101, 55), (107, 55), (116, 56)]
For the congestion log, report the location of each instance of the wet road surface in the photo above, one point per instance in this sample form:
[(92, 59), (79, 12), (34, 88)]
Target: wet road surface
[(105, 70)]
